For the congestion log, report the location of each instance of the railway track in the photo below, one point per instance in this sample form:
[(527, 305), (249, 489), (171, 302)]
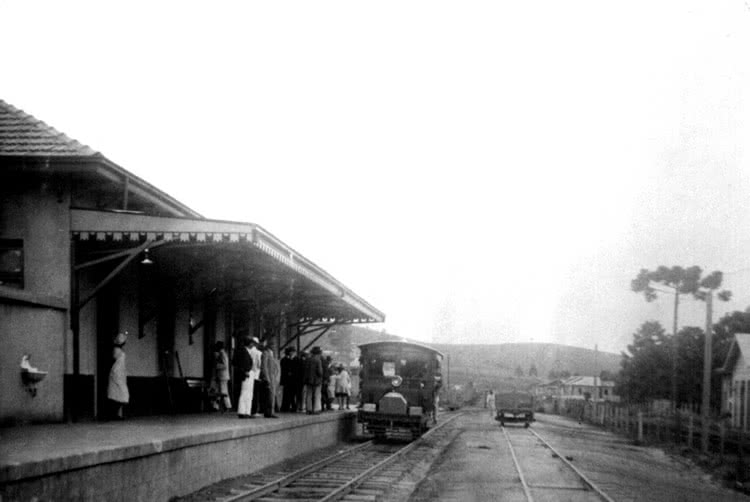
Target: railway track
[(363, 472), (546, 488)]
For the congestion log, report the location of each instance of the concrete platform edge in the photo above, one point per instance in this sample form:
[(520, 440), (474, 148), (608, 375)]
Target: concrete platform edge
[(13, 472)]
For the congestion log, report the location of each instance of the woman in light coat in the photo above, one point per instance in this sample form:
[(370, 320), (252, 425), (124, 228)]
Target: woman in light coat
[(491, 403), (117, 389), (343, 387), (221, 376)]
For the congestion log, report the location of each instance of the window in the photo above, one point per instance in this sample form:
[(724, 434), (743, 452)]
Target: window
[(11, 263), (389, 368)]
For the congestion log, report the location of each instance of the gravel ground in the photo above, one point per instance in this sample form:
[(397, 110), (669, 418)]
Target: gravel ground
[(223, 488), (478, 466), (628, 472)]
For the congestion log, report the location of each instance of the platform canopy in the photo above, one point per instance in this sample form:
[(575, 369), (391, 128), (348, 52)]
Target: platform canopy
[(248, 262)]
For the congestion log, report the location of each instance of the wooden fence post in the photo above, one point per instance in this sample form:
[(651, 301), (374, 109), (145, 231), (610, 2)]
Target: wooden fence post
[(614, 418), (740, 476), (631, 420), (640, 426)]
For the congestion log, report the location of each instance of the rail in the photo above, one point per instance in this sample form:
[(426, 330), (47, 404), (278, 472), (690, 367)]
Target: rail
[(527, 488), (377, 461)]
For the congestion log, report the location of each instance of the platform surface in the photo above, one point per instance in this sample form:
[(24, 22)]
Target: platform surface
[(36, 450)]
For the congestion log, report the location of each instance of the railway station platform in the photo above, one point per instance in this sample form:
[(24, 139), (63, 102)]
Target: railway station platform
[(154, 458)]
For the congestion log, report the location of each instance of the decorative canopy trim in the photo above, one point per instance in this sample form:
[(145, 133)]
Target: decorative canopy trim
[(109, 226)]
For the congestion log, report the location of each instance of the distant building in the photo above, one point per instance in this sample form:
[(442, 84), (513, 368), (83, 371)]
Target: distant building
[(735, 383), (548, 389), (588, 387)]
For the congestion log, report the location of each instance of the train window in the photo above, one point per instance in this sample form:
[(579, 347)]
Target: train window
[(389, 369)]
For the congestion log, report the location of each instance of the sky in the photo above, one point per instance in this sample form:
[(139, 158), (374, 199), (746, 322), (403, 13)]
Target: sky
[(482, 172)]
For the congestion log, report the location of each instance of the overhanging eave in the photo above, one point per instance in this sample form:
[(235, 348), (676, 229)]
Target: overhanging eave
[(112, 226)]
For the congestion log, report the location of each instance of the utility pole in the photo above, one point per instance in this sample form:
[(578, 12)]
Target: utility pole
[(674, 350), (597, 372), (707, 357), (448, 383)]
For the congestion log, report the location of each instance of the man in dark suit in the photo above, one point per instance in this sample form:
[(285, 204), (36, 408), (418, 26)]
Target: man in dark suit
[(288, 380), (244, 363), (313, 379)]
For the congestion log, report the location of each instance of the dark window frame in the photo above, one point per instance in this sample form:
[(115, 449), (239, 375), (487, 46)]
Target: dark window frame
[(11, 278)]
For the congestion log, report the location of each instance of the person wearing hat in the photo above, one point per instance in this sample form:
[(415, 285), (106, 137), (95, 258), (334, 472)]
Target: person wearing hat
[(243, 363), (269, 376), (329, 382), (288, 380), (299, 383), (256, 355), (117, 388), (313, 380), (221, 376)]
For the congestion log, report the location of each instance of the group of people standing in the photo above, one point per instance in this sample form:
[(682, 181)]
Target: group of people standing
[(309, 383), (259, 371), (312, 382)]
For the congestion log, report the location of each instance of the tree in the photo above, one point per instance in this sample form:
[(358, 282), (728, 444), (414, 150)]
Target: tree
[(532, 370), (645, 373), (645, 370), (708, 286), (680, 281), (690, 346), (558, 374), (519, 371), (607, 376)]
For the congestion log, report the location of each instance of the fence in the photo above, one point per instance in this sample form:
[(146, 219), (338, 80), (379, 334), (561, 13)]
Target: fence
[(646, 423)]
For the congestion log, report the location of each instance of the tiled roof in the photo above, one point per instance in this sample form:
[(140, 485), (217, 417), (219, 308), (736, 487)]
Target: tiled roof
[(588, 381), (23, 135)]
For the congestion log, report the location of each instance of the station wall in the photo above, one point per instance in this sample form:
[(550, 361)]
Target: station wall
[(36, 211), (34, 331), (142, 353), (34, 318)]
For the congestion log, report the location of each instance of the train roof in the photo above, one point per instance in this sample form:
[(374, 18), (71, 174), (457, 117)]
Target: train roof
[(399, 342)]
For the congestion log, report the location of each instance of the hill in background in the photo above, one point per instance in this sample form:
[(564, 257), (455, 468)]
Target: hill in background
[(485, 366)]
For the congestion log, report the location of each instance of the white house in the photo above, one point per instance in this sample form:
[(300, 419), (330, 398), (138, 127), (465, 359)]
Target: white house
[(588, 387), (735, 383)]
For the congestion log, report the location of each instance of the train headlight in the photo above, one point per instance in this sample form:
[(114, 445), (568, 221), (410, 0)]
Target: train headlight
[(397, 381)]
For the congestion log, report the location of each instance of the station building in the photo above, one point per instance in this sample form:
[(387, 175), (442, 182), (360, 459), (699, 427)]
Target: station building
[(88, 249)]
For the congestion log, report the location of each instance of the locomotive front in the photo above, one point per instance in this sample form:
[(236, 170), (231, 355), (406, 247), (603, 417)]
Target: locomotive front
[(399, 383)]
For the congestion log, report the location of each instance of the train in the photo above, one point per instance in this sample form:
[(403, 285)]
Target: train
[(514, 407), (399, 386)]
